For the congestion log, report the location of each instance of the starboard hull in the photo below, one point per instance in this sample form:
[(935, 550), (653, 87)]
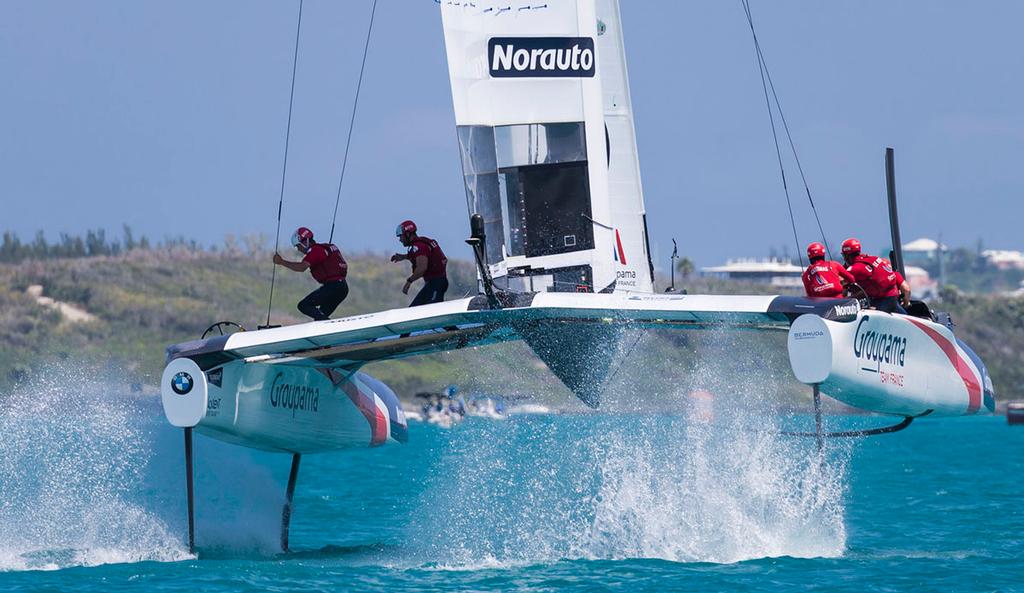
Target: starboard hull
[(892, 364)]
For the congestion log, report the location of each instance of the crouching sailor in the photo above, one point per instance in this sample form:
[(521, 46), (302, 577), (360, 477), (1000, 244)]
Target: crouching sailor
[(824, 278), (328, 267), (428, 262), (885, 286)]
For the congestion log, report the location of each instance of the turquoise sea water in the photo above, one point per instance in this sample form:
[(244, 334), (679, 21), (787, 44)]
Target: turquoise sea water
[(92, 499)]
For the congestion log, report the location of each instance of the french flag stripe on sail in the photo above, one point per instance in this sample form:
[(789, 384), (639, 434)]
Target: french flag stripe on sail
[(620, 255)]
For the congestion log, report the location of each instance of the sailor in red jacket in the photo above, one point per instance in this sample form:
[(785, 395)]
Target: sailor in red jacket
[(824, 278), (428, 262), (328, 267), (885, 286)]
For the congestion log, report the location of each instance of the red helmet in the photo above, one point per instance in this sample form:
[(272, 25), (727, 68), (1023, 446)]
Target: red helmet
[(302, 236), (406, 227), (815, 250), (851, 247)]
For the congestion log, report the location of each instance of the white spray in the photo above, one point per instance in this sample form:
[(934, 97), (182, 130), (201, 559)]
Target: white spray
[(698, 480), (92, 475), (73, 457)]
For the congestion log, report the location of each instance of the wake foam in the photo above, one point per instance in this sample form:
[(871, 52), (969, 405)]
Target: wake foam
[(704, 479), (74, 456), (712, 497), (632, 487)]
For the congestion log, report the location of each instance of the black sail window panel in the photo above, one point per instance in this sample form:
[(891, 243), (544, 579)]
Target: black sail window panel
[(530, 184), (556, 201), (545, 188)]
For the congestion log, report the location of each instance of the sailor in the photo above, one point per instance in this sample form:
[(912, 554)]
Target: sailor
[(325, 262), (824, 278), (428, 262), (885, 286)]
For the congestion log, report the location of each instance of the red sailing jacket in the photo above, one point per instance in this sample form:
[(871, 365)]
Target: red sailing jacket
[(326, 263)]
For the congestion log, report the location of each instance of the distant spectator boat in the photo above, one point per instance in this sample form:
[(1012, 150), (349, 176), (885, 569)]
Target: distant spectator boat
[(1015, 413)]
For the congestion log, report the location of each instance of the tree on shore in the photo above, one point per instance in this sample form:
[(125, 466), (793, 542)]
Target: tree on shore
[(685, 267)]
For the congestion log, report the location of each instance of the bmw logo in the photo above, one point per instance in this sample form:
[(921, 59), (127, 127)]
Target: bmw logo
[(182, 383)]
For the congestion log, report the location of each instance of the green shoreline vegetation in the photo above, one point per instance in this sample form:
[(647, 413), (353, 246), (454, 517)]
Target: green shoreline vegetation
[(139, 296)]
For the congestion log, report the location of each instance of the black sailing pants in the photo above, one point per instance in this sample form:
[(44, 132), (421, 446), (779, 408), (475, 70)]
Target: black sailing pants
[(889, 305), (432, 292), (320, 303)]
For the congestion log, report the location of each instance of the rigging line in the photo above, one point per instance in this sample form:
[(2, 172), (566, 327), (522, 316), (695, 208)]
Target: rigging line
[(796, 158), (352, 120), (284, 167), (785, 126), (775, 136)]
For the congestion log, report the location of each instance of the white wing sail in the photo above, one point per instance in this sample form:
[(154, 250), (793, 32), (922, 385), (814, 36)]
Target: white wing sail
[(546, 138), (632, 246)]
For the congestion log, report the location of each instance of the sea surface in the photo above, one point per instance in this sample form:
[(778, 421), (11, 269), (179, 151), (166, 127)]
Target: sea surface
[(93, 499)]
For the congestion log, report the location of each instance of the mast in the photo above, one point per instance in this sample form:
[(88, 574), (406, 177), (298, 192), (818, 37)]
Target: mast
[(894, 217)]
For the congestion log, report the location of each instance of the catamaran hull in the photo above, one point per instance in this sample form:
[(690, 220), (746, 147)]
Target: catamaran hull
[(891, 364), (295, 388), (282, 408)]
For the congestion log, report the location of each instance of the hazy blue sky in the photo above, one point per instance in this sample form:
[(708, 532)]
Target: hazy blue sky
[(170, 116)]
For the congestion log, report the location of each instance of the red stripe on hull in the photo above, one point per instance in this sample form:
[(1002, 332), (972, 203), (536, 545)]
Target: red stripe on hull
[(373, 415), (963, 368)]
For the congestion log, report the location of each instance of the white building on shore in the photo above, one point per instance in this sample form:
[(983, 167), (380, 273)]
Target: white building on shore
[(1004, 259), (922, 252), (773, 271)]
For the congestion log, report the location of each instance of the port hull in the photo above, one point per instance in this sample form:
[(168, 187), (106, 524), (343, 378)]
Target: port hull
[(285, 408)]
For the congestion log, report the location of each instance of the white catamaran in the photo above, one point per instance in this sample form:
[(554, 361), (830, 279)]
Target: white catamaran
[(552, 180)]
